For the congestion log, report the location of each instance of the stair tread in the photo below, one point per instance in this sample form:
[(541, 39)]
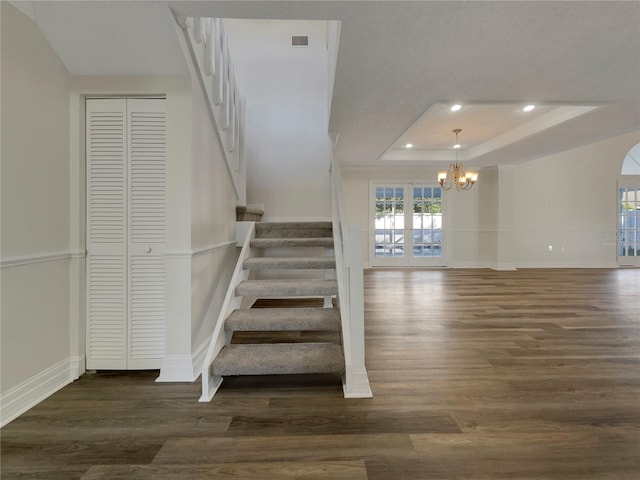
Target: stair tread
[(282, 319), (280, 288), (261, 263), (292, 242), (279, 359), (300, 225), (293, 229)]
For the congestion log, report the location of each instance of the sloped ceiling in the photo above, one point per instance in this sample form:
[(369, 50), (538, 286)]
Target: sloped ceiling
[(398, 60), (111, 37)]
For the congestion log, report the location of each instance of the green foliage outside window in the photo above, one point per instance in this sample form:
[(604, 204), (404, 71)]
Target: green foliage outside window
[(394, 206), (389, 206), (427, 205)]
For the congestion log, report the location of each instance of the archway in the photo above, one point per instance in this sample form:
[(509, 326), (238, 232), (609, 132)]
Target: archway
[(631, 163)]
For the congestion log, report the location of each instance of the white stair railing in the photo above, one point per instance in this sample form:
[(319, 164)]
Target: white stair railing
[(348, 253), (245, 232), (208, 46)]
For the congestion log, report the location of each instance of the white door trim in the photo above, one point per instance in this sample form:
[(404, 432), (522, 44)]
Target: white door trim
[(407, 260)]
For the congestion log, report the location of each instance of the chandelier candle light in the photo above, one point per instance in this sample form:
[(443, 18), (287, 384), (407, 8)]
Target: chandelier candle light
[(456, 173)]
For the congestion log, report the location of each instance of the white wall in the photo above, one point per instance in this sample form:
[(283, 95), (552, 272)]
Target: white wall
[(36, 252), (470, 231), (213, 220), (334, 28), (286, 90), (43, 216), (569, 201), (509, 219)]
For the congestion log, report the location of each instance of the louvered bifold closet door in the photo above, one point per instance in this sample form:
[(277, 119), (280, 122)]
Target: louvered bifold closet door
[(147, 199), (126, 273), (106, 234)]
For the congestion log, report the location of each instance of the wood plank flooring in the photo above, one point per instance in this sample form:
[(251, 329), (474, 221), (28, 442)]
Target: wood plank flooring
[(476, 374)]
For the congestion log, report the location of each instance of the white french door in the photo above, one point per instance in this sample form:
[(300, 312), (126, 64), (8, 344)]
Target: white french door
[(126, 273), (628, 236), (406, 225)]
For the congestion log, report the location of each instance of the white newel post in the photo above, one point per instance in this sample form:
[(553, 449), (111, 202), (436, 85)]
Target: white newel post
[(357, 381)]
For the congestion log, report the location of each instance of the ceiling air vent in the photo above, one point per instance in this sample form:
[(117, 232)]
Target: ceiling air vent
[(300, 41)]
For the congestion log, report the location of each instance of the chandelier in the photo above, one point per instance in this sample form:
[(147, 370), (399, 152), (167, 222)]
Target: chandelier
[(456, 174)]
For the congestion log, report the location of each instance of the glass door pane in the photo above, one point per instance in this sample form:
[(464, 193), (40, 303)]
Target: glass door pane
[(389, 236), (407, 225), (629, 225), (427, 222)]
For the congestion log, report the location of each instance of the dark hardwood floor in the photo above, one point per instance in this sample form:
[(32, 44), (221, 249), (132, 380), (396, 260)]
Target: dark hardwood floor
[(476, 374)]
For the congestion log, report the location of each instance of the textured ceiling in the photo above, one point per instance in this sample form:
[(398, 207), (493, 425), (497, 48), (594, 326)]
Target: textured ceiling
[(399, 59), (396, 62)]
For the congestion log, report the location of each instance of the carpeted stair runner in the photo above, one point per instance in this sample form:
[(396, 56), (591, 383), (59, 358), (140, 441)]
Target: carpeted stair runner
[(279, 359), (283, 319), (276, 358), (286, 288), (292, 242), (294, 230), (264, 263)]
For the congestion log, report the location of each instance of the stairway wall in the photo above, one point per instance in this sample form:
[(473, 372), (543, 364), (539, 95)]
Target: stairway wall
[(286, 90), (213, 220)]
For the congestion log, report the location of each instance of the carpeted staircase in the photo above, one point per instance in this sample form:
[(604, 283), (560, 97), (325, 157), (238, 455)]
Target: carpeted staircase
[(280, 355)]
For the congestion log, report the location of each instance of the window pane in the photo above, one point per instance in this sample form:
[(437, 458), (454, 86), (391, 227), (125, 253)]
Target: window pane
[(389, 222), (628, 222), (427, 221)]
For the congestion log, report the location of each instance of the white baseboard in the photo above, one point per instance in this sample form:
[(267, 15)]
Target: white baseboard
[(77, 366), (32, 391), (568, 264), (183, 368), (176, 368), (472, 264), (356, 385)]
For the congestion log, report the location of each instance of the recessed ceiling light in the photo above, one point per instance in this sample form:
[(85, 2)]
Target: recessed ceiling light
[(409, 145), (457, 145), (456, 107), (528, 108)]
